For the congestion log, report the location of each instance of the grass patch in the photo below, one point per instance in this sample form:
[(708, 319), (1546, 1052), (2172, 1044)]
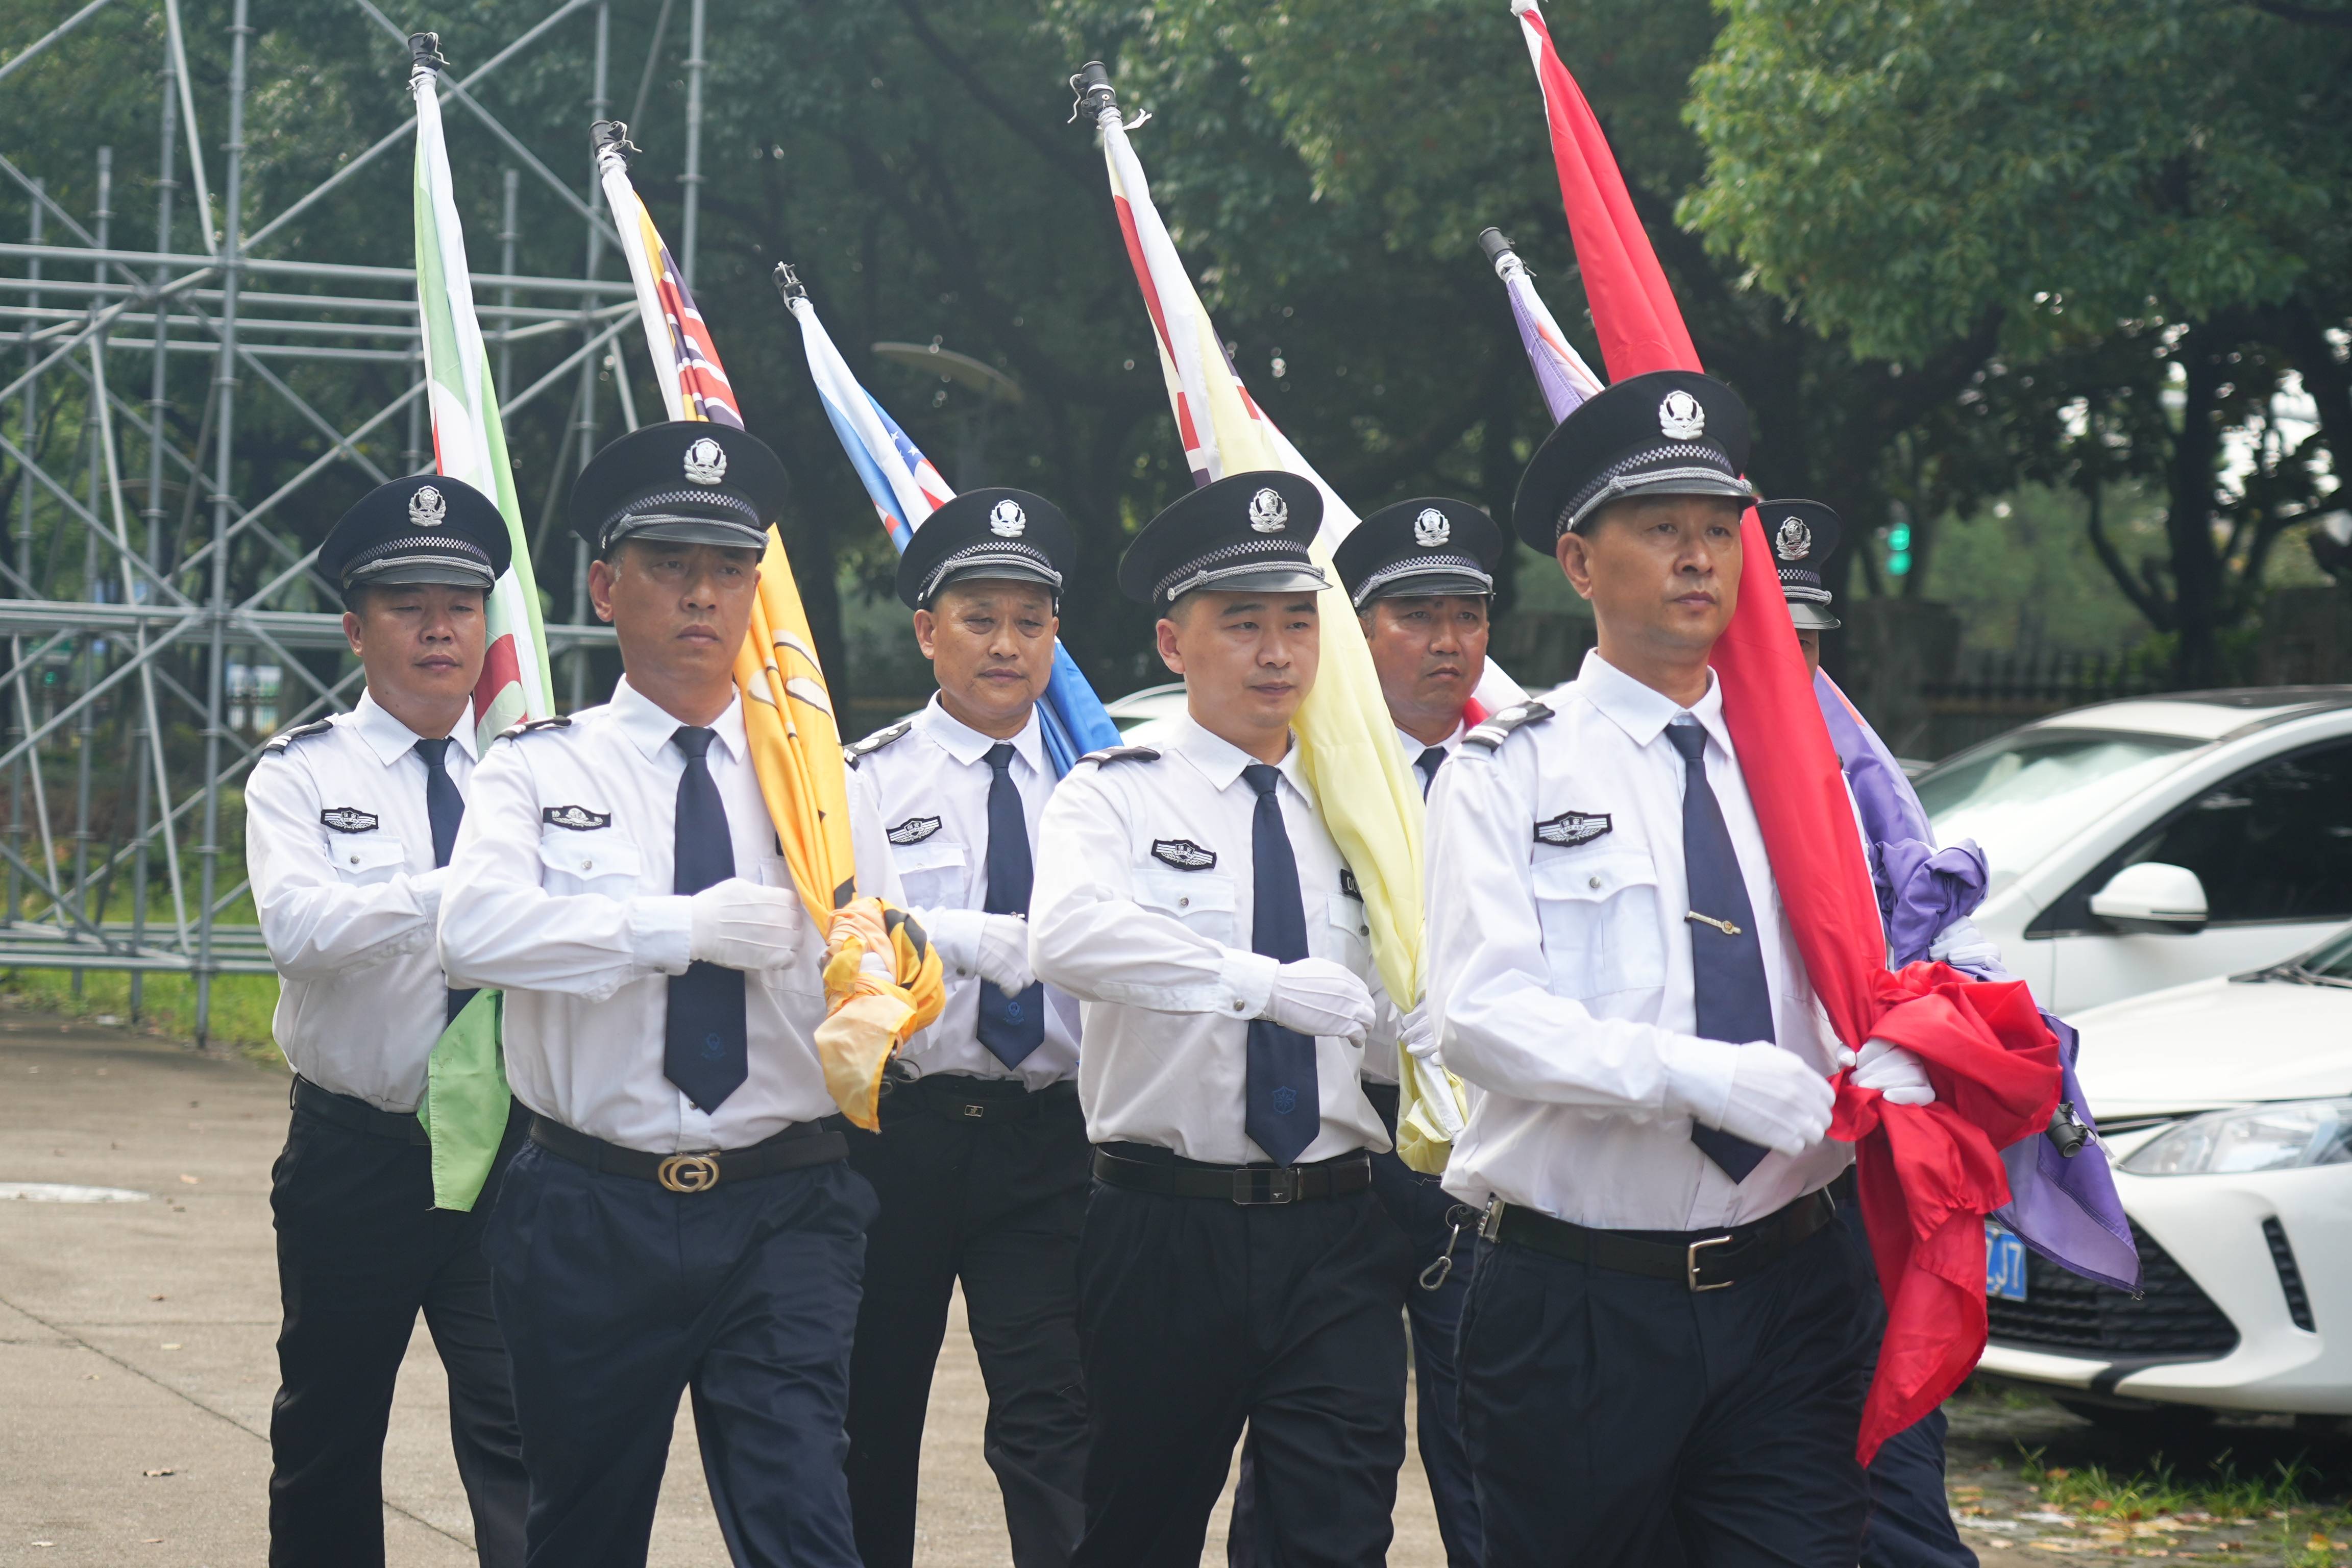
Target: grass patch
[(2222, 1493), (241, 1004)]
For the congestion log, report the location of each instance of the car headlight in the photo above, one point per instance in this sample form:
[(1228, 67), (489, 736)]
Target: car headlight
[(2287, 1136)]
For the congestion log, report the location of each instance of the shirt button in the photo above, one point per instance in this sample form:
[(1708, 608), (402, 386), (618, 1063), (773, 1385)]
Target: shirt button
[(590, 866), (1363, 931), (1592, 881), (1183, 903), (355, 859)]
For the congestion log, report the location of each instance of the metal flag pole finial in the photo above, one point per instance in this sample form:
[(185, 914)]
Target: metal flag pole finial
[(788, 283), (1092, 94), (611, 136), (425, 55), (1499, 251)]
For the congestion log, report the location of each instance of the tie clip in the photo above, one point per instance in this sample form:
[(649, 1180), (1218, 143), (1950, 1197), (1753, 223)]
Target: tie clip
[(1726, 927)]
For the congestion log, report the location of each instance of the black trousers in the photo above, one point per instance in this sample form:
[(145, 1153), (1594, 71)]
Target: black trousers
[(1910, 1520), (360, 1252), (1196, 1315), (995, 1201), (616, 1295), (1614, 1418)]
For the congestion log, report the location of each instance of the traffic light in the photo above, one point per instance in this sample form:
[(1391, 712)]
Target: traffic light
[(1899, 550)]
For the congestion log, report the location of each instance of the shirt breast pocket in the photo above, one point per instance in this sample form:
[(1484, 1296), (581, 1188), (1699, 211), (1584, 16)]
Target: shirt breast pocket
[(1600, 919), (601, 862), (368, 857), (1203, 900), (933, 872), (1347, 934)]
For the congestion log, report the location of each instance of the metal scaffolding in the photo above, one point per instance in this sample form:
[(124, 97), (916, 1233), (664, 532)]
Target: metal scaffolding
[(160, 625)]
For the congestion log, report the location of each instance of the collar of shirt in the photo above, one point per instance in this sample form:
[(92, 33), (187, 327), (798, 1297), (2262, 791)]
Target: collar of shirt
[(1413, 746), (968, 746), (1221, 762), (391, 740), (1642, 711), (651, 727)]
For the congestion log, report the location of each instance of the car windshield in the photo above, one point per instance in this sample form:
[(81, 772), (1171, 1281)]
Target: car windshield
[(2333, 960), (2022, 796)]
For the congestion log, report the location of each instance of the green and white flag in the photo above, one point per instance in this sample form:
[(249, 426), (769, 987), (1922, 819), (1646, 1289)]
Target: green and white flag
[(468, 443)]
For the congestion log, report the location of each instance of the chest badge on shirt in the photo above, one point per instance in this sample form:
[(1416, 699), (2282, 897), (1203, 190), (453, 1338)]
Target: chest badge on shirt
[(914, 830), (350, 819), (1349, 886), (1571, 828), (1182, 854), (577, 819)]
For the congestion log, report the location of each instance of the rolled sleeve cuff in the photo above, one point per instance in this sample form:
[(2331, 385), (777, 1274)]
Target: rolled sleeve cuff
[(1247, 979), (661, 932)]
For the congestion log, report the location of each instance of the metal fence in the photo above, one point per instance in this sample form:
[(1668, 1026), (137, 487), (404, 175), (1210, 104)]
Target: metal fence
[(154, 642)]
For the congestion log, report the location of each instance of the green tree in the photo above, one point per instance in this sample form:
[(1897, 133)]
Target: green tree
[(2144, 201)]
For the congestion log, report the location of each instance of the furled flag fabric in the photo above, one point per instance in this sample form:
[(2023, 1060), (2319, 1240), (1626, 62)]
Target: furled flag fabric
[(1350, 752), (906, 490), (468, 442), (1561, 372), (1931, 1252), (788, 715)]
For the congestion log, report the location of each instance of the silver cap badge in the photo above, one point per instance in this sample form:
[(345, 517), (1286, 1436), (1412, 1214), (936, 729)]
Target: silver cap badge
[(1431, 529), (426, 509), (1680, 417), (1794, 541), (1006, 520), (706, 461), (1268, 511)]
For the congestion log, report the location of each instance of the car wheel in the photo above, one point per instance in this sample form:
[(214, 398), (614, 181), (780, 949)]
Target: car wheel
[(2143, 1420)]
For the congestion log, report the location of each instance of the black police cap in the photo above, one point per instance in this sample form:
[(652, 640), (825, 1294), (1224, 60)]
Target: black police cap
[(694, 481), (1803, 533), (1245, 533), (993, 533), (1428, 546), (1670, 432), (426, 528)]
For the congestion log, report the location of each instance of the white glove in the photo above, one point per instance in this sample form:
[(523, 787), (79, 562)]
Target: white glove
[(973, 942), (1962, 946), (742, 925), (1318, 996), (1420, 1033), (1894, 1072), (1756, 1091)]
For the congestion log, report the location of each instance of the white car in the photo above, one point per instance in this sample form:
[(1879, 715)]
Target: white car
[(2226, 1107), (2141, 844), (1139, 714)]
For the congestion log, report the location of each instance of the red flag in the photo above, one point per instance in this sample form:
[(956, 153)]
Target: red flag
[(1802, 805)]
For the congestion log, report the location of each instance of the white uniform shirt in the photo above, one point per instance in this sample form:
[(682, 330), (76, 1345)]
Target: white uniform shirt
[(579, 925), (339, 849), (1129, 915), (1558, 973), (929, 788)]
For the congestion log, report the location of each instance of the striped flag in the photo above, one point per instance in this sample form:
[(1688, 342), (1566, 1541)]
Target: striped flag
[(676, 337), (906, 490), (468, 442), (1561, 373)]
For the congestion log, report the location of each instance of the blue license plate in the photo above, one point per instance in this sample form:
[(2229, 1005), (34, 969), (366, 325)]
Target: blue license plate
[(2004, 1264)]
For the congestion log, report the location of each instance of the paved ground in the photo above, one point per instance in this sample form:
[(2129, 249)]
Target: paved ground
[(136, 1361)]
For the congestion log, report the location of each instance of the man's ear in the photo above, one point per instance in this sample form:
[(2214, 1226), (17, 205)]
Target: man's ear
[(600, 588), (1574, 553), (1172, 653), (352, 624), (926, 626)]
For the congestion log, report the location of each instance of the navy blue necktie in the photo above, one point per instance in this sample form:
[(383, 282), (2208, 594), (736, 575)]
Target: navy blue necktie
[(1428, 762), (444, 808), (1010, 1026), (1727, 983), (1280, 1108), (704, 1038)]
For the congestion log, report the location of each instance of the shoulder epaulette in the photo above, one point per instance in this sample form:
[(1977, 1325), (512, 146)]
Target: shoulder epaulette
[(1110, 754), (285, 738), (857, 751), (1498, 727), (532, 726)]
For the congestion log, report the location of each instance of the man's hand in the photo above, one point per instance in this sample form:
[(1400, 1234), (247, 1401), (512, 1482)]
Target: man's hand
[(742, 925), (1894, 1072), (1318, 996)]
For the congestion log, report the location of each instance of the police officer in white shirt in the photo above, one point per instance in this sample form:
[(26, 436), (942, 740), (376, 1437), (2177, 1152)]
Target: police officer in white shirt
[(1662, 1357), (980, 1164), (1235, 1266), (1420, 576), (349, 826), (680, 1217)]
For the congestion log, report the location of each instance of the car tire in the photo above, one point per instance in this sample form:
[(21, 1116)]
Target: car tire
[(2141, 1421)]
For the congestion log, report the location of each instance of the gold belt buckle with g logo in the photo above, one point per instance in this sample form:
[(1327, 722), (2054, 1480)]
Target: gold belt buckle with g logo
[(688, 1172)]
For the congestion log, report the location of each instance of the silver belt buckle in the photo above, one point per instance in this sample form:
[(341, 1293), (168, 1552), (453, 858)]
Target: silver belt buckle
[(1260, 1186), (1690, 1264)]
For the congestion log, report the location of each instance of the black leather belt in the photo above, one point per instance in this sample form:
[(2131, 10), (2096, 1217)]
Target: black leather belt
[(1251, 1186), (355, 1115), (1699, 1260), (797, 1148), (962, 1098)]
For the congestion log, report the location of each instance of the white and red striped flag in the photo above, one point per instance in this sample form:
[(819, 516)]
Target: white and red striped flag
[(468, 442)]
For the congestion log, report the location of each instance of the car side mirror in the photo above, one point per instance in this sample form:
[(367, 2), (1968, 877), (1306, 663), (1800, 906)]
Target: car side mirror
[(2152, 897)]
